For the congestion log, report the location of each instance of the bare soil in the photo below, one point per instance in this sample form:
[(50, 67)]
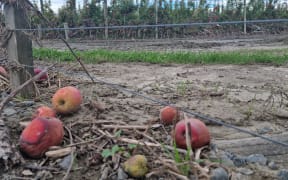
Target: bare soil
[(251, 97)]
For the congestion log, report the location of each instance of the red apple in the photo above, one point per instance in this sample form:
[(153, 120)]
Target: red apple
[(44, 111), (200, 135), (43, 77), (168, 115), (67, 100), (39, 135), (3, 72)]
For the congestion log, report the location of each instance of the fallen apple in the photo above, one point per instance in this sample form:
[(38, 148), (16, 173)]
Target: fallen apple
[(3, 72), (169, 115), (44, 77), (39, 135), (44, 111), (67, 100), (200, 135), (136, 166)]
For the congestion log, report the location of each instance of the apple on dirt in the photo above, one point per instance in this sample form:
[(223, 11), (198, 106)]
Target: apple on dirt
[(136, 166), (169, 115), (44, 111), (44, 77), (67, 100), (40, 134), (3, 72), (199, 133)]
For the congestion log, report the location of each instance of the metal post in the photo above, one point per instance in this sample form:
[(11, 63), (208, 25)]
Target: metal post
[(19, 48)]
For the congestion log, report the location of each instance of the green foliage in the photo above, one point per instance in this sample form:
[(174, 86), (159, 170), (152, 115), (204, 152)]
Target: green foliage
[(131, 12), (272, 57), (184, 162), (117, 149), (110, 152)]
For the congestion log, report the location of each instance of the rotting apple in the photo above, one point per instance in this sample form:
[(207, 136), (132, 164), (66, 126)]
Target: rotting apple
[(39, 135), (67, 100), (199, 133), (44, 77), (168, 115), (3, 72), (44, 111), (136, 166)]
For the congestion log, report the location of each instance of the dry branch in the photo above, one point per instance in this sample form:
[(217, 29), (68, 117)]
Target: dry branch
[(19, 88)]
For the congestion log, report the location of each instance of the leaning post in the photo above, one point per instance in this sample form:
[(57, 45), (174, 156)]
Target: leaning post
[(19, 48)]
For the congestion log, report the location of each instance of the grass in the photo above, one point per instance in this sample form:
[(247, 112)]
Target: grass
[(274, 57)]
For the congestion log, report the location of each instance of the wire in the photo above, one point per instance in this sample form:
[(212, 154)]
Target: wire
[(186, 110), (158, 25)]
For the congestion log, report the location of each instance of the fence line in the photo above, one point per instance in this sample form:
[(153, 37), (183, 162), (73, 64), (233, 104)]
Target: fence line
[(158, 25)]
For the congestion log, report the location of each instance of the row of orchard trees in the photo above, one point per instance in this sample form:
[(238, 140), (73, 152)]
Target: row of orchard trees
[(140, 12), (134, 12)]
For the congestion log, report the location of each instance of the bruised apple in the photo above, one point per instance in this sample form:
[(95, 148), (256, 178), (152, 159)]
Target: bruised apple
[(40, 134), (67, 100), (168, 115), (3, 72), (43, 77), (200, 135), (44, 111)]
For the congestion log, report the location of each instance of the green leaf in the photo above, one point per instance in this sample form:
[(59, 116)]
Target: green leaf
[(132, 146), (106, 153), (115, 149), (118, 133)]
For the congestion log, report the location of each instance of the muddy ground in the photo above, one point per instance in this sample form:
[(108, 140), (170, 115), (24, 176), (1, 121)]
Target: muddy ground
[(253, 97)]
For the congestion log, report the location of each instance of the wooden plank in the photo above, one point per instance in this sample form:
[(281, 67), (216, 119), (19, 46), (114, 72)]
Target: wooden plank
[(256, 145), (19, 49)]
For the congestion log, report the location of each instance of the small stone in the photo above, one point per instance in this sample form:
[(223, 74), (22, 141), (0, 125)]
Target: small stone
[(219, 174), (272, 165), (9, 112), (27, 172), (226, 161), (65, 163), (283, 174), (245, 171), (239, 176), (265, 130), (44, 175), (121, 175), (257, 158)]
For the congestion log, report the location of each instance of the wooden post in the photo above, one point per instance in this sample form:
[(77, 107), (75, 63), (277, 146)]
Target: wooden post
[(156, 19), (106, 18), (245, 28), (19, 49), (39, 31), (66, 31)]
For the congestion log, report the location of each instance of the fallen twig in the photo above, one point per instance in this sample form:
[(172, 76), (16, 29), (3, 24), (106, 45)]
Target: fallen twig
[(124, 127), (142, 143), (19, 88), (179, 176), (71, 154)]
